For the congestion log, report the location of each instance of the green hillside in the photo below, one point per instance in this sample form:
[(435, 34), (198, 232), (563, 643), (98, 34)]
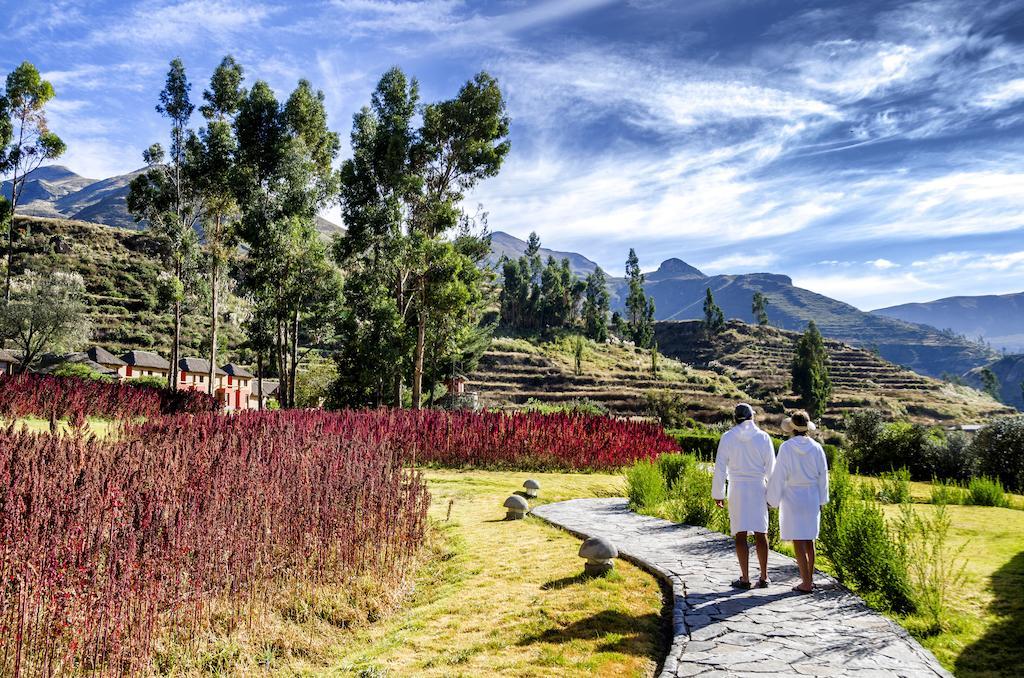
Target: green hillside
[(120, 268)]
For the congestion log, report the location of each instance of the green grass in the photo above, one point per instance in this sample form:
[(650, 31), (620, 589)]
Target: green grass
[(100, 427)]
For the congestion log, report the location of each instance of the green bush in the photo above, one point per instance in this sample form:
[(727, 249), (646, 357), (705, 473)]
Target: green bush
[(700, 444), (895, 487), (669, 408), (675, 466), (986, 491), (999, 448), (954, 458), (574, 406), (864, 553), (148, 382), (645, 485), (690, 501), (934, 567), (79, 370), (947, 492)]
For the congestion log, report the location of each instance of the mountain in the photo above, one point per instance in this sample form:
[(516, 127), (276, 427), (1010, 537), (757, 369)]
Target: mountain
[(503, 244), (999, 318), (678, 290), (54, 191), (1009, 370)]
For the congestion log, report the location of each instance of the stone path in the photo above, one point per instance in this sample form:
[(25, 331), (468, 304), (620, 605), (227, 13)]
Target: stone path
[(720, 631)]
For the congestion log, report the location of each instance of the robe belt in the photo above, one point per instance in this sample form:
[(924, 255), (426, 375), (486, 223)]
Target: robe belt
[(759, 476), (811, 484)]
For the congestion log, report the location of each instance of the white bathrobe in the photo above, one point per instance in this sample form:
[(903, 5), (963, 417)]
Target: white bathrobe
[(799, 487), (745, 459)]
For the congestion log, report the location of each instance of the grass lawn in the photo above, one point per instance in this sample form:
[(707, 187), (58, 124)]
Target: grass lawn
[(985, 636), (100, 427), (507, 598)]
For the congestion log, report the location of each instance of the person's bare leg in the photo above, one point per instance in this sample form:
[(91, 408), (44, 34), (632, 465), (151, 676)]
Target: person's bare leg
[(742, 555), (810, 561), (802, 548), (761, 544)]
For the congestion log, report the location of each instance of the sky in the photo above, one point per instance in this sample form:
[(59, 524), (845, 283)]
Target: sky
[(870, 150)]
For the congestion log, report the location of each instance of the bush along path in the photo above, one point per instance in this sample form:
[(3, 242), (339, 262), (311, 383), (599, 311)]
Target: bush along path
[(721, 631)]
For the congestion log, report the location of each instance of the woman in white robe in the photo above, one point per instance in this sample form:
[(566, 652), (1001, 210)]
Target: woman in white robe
[(744, 461), (799, 487)]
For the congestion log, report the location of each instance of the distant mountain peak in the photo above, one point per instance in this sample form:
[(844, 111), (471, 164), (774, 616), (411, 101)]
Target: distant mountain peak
[(675, 268)]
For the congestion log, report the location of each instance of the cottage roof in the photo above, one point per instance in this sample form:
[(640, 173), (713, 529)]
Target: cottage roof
[(197, 366), (102, 356), (8, 357), (146, 359), (237, 371), (270, 387)]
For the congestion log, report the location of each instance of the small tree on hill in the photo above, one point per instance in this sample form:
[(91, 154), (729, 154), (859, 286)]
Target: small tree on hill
[(759, 307), (714, 319), (639, 306), (811, 379), (25, 141), (654, 360), (595, 306), (990, 383)]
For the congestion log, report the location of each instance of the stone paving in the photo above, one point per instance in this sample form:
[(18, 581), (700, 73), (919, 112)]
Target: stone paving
[(720, 631)]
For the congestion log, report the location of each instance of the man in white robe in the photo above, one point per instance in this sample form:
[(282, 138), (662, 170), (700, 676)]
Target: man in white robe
[(744, 462)]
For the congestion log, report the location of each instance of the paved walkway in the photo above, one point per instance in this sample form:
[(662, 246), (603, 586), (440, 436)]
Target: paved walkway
[(719, 631)]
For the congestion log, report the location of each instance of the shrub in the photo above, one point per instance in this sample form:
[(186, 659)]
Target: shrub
[(675, 466), (147, 382), (668, 407), (895, 487), (986, 491), (574, 406), (703, 445), (947, 492), (863, 551), (934, 567), (690, 501), (999, 448), (108, 542), (646, 485), (953, 458), (80, 371)]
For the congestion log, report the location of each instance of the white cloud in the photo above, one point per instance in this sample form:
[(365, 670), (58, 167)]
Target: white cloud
[(865, 291), (883, 264), (1004, 94), (165, 23), (741, 263)]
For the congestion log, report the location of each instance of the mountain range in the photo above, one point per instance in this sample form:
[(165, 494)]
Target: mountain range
[(906, 335), (998, 318)]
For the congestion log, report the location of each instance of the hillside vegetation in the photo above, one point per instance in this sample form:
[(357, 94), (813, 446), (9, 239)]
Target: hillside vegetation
[(121, 269)]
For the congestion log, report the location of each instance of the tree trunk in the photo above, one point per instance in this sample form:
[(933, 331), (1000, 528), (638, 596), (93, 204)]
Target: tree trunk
[(213, 314), (282, 372), (400, 299), (259, 380), (10, 237), (417, 370), (295, 357)]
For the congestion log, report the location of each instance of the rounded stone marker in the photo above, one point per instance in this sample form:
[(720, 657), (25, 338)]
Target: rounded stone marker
[(517, 507), (599, 553), (532, 487)]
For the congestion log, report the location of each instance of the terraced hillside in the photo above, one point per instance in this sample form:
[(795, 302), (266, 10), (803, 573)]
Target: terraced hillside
[(758, 360), (617, 376)]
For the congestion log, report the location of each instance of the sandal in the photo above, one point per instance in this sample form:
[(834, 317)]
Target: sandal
[(763, 583), (797, 589), (740, 584)]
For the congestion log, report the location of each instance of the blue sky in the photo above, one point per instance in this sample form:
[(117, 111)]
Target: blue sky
[(871, 150)]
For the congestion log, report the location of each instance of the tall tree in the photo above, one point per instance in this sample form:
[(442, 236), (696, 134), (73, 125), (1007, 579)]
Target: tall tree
[(167, 196), (639, 307), (45, 313), (810, 372), (376, 183), (26, 142), (714, 319), (595, 306), (759, 307), (283, 177), (463, 141), (215, 178), (990, 383)]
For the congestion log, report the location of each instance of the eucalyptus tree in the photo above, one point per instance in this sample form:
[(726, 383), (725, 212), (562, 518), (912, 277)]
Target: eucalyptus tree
[(463, 141), (26, 142), (639, 306), (284, 177), (759, 307), (215, 178), (595, 306), (168, 196)]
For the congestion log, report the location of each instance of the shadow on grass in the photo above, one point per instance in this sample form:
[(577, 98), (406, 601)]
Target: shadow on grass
[(1000, 652), (625, 633), (565, 582)]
